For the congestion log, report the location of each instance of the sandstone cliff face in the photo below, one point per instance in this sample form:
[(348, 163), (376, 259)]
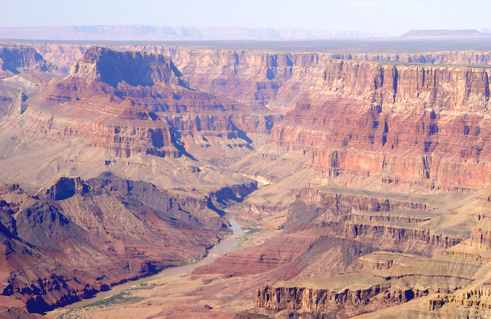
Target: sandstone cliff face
[(268, 77), (404, 133), (82, 237), (340, 304), (356, 120), (386, 222), (253, 78), (407, 121), (473, 303), (445, 150)]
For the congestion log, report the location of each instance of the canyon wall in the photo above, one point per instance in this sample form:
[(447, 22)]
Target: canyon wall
[(418, 126), (407, 257), (278, 78), (338, 304), (389, 223), (84, 236), (373, 122), (471, 302), (384, 123), (139, 103)]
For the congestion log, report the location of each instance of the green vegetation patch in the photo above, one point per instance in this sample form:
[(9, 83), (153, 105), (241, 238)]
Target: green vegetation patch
[(121, 298)]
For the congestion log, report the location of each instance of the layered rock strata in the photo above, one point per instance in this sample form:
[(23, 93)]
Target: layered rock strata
[(344, 303), (138, 103), (473, 303), (411, 125), (388, 222), (403, 125), (83, 236)]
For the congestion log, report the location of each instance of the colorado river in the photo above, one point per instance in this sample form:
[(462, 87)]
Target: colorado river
[(228, 244), (175, 281)]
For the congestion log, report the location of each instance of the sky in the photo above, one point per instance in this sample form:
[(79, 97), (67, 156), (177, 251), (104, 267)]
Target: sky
[(388, 17)]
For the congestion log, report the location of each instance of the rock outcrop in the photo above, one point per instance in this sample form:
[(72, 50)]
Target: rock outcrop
[(400, 125), (274, 79), (476, 301), (344, 303), (138, 103), (83, 236), (133, 68)]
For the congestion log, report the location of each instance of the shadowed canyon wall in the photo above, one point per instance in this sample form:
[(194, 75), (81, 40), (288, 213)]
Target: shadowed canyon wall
[(139, 103)]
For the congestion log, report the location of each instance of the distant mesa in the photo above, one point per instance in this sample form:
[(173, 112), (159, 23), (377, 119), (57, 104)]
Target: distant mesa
[(170, 33), (445, 34)]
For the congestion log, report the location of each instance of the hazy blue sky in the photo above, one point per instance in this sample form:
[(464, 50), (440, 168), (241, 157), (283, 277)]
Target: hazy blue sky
[(380, 16)]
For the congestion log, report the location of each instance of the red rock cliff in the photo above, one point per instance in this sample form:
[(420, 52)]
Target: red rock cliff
[(358, 121)]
